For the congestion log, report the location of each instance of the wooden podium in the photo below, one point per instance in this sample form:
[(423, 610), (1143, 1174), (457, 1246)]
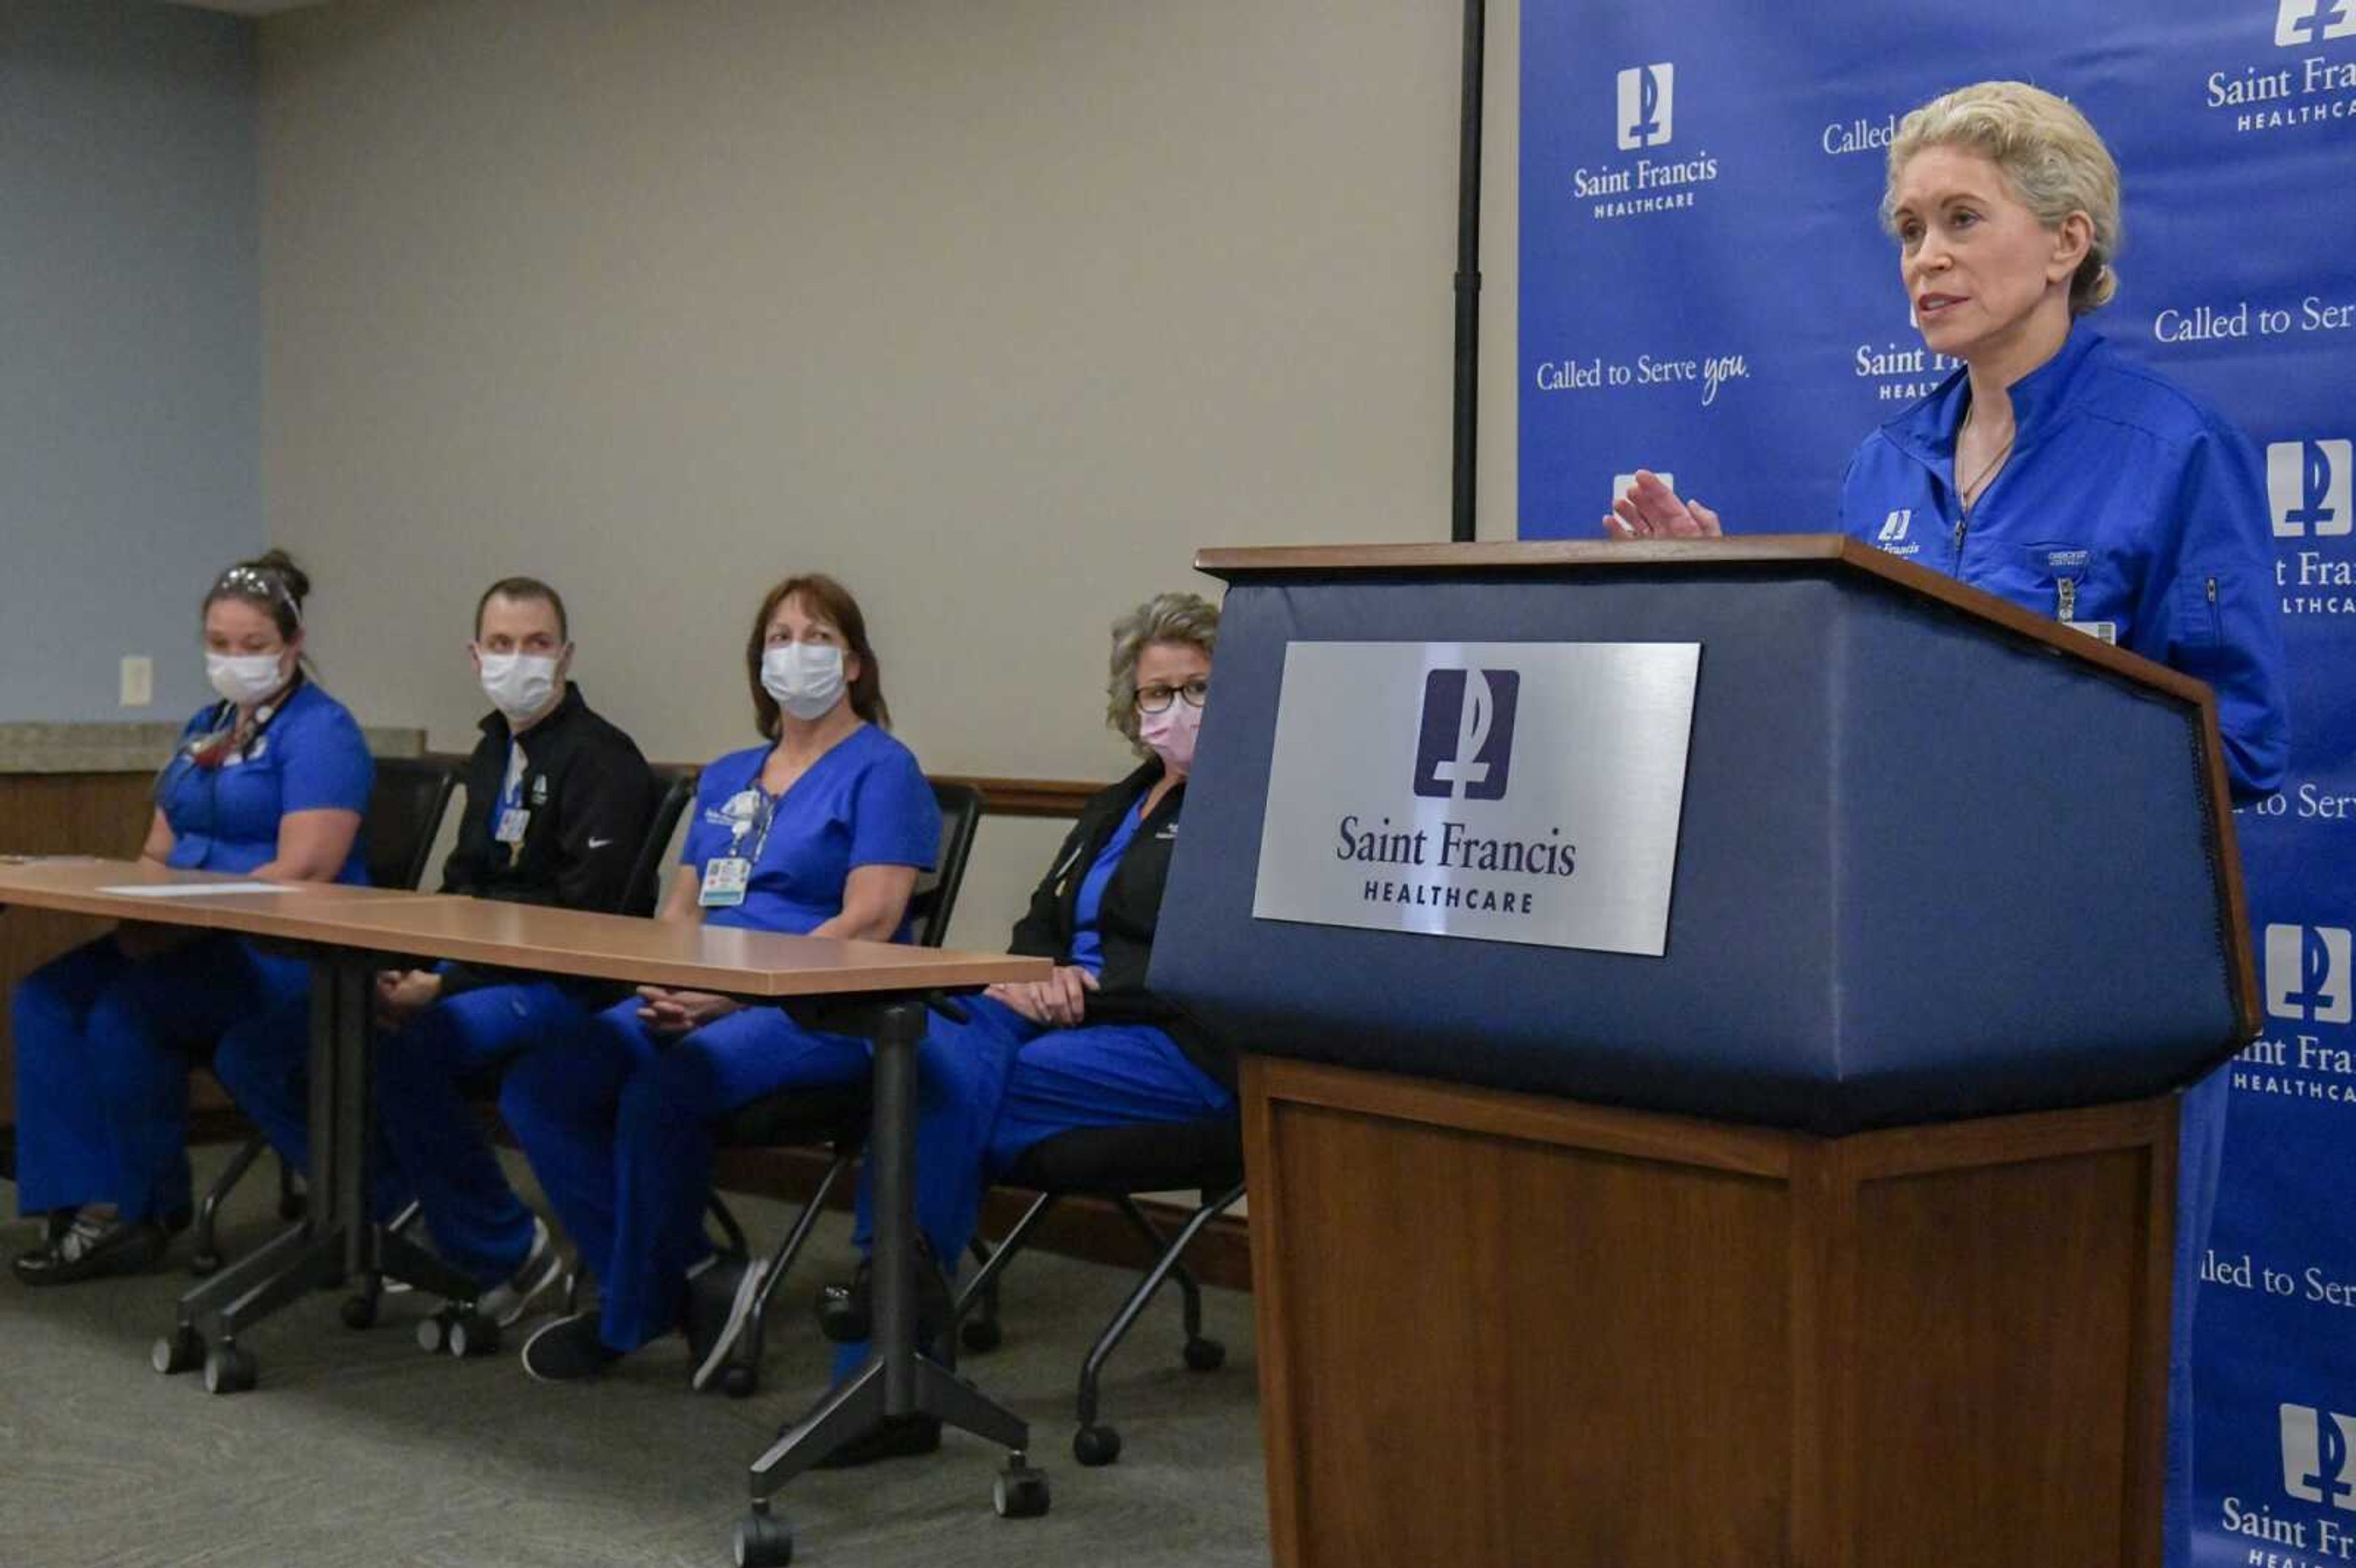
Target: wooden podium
[(1839, 1235), (1499, 1329)]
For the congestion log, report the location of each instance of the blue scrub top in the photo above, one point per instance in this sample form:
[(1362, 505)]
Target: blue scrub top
[(1088, 947), (2128, 503), (310, 757), (865, 803)]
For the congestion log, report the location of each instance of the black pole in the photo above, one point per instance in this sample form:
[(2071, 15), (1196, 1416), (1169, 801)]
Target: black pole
[(1468, 277)]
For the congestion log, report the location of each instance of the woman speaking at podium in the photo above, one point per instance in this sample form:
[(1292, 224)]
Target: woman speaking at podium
[(2050, 470)]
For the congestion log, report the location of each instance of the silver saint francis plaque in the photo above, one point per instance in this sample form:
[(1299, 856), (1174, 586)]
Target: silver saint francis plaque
[(1503, 792)]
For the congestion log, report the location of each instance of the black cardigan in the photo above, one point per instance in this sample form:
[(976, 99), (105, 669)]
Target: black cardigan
[(1125, 920)]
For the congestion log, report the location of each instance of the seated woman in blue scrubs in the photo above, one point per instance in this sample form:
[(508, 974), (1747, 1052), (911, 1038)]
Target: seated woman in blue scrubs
[(268, 781), (1089, 1046), (823, 832)]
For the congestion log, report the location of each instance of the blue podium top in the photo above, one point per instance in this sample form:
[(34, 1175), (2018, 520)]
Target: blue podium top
[(1937, 857)]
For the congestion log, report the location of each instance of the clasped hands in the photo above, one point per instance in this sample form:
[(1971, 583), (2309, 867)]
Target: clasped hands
[(1059, 1001), (672, 1013)]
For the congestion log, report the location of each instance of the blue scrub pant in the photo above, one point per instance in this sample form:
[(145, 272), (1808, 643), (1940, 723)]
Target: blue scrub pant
[(617, 1121), (104, 1048), (991, 1087), (265, 1065), (432, 1135)]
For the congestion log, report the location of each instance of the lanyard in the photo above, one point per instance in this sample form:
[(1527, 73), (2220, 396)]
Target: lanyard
[(737, 830)]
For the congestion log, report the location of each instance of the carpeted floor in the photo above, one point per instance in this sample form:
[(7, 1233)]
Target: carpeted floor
[(358, 1448)]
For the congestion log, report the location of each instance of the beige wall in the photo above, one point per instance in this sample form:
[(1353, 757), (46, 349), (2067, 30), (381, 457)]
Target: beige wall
[(997, 309)]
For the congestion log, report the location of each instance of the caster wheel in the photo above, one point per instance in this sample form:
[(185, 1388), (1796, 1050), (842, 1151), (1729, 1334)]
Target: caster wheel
[(1020, 1492), (1205, 1355), (204, 1265), (359, 1311), (739, 1382), (980, 1335), (434, 1333), (1096, 1446), (764, 1540), (230, 1367), (182, 1351), (473, 1335)]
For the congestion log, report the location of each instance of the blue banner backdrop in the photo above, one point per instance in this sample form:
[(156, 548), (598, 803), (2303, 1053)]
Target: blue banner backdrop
[(1705, 291)]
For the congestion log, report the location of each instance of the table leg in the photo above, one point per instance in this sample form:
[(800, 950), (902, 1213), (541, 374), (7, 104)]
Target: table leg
[(895, 1380), (337, 1237)]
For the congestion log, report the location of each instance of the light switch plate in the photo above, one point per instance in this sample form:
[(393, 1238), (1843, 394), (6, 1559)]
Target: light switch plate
[(138, 680)]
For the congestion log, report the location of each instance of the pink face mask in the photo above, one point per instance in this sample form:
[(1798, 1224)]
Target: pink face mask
[(1172, 732)]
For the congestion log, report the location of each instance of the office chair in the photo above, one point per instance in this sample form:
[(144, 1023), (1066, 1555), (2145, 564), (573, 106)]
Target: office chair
[(404, 817), (1205, 1156)]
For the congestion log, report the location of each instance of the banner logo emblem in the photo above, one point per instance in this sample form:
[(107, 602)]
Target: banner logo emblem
[(2307, 973), (1647, 95), (1894, 527), (1466, 746), (2307, 483), (2302, 22), (2315, 1450)]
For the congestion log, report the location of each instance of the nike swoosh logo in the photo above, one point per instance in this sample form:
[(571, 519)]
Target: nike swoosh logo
[(599, 843)]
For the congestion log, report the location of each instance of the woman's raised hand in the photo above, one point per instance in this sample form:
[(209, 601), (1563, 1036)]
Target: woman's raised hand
[(1650, 509)]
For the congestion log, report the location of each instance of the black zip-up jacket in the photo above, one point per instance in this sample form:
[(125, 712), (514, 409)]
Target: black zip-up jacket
[(1125, 920), (590, 794)]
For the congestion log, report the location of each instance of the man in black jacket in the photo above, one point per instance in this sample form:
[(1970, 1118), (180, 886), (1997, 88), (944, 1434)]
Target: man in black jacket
[(557, 804)]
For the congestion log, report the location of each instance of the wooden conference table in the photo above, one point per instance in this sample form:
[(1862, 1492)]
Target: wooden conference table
[(877, 989)]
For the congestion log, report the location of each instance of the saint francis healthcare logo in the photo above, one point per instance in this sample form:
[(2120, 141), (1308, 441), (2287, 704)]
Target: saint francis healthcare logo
[(1643, 118), (2308, 485), (1465, 749), (2307, 973), (2315, 89), (2301, 23), (2316, 1448), (1647, 105)]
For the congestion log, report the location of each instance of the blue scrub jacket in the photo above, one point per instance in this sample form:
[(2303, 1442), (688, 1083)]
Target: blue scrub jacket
[(2128, 504)]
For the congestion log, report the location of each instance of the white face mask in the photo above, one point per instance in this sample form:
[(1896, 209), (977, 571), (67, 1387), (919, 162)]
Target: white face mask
[(520, 686), (805, 678), (244, 678), (1172, 732)]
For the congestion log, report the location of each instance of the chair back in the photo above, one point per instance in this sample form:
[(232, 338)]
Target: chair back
[(675, 792), (404, 817), (935, 900)]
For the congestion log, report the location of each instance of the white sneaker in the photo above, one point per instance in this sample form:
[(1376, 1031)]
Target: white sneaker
[(507, 1300)]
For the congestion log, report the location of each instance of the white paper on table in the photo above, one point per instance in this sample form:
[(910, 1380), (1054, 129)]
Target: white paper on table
[(192, 890)]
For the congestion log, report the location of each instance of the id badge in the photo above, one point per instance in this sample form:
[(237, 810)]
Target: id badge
[(513, 820), (724, 879)]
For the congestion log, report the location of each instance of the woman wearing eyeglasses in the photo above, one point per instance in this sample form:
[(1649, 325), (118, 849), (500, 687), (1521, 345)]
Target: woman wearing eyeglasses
[(270, 782), (1089, 1046)]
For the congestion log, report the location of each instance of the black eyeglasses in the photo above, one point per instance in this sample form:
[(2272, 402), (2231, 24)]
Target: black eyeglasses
[(1157, 699)]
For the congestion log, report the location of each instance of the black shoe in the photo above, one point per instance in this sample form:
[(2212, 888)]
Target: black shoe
[(719, 1299), (846, 1313), (899, 1438), (568, 1350), (92, 1248)]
